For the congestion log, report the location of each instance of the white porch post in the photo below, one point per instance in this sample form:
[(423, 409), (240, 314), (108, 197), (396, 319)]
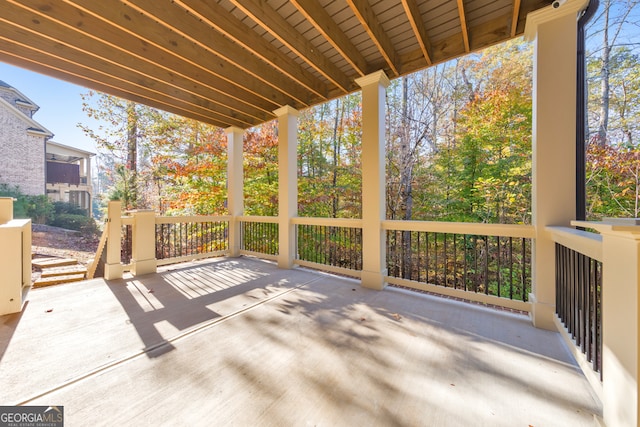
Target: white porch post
[(373, 179), (113, 268), (287, 183), (143, 242), (6, 209), (87, 172), (554, 140), (90, 185), (620, 321), (235, 184)]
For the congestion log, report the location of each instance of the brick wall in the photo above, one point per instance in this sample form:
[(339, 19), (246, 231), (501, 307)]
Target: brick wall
[(21, 155), (8, 96)]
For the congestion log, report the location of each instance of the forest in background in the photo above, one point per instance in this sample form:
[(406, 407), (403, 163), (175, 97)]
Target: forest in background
[(458, 141)]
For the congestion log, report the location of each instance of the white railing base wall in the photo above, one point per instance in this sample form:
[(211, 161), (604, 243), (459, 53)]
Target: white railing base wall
[(329, 268), (259, 255), (189, 258), (461, 294)]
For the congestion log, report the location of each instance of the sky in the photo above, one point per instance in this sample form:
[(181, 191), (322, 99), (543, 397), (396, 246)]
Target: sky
[(60, 104)]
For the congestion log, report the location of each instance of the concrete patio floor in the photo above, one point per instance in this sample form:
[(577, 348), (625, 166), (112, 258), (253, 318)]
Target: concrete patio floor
[(240, 342)]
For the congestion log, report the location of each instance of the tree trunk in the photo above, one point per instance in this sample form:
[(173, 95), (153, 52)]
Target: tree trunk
[(132, 155), (603, 123), (406, 178), (337, 143)]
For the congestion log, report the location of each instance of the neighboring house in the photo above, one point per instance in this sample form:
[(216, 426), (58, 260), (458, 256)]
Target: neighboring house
[(32, 162), (22, 142), (69, 175)]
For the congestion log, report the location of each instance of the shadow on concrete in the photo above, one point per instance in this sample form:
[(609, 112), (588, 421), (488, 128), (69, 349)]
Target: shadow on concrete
[(8, 326), (186, 296)]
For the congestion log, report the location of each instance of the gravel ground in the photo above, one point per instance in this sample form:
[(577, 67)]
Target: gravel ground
[(53, 241)]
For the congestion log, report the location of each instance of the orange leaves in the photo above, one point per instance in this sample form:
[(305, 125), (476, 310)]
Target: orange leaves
[(613, 180)]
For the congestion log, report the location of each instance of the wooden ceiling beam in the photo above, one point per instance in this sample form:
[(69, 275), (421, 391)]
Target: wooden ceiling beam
[(103, 44), (260, 77), (415, 19), (26, 56), (463, 25), (216, 17), (322, 21), (261, 13), (366, 16), (490, 32), (515, 17), (168, 49), (208, 60)]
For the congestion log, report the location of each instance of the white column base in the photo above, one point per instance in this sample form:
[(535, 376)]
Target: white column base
[(145, 266), (373, 279), (113, 271), (542, 314)]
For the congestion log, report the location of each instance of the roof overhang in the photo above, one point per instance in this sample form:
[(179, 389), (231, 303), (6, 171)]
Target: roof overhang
[(32, 127), (233, 62), (57, 148)]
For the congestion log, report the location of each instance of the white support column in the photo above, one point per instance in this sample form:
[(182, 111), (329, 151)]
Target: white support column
[(6, 209), (554, 140), (113, 268), (287, 183), (373, 179), (235, 187), (143, 243), (620, 321), (90, 185), (88, 172)]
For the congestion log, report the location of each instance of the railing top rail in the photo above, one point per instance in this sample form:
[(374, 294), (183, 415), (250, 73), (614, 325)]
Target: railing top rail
[(328, 222), (191, 218), (256, 218), (630, 225), (126, 220), (15, 223), (584, 242), (503, 230)]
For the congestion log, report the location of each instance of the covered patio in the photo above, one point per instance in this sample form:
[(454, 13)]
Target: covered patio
[(237, 341)]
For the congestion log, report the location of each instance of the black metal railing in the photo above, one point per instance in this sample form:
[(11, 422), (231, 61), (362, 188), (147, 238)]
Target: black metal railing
[(126, 244), (578, 301), (175, 240), (494, 265), (259, 237), (330, 245)]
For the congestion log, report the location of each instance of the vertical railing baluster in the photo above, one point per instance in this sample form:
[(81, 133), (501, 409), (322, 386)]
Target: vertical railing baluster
[(486, 265), (498, 266), (455, 261), (510, 267), (578, 301), (446, 261), (475, 260), (464, 260), (435, 267), (523, 267)]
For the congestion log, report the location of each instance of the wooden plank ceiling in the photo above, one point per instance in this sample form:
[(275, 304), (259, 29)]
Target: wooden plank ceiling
[(233, 62)]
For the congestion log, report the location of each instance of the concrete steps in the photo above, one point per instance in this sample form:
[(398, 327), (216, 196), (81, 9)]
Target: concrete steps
[(55, 271), (57, 280), (42, 263), (63, 271)]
